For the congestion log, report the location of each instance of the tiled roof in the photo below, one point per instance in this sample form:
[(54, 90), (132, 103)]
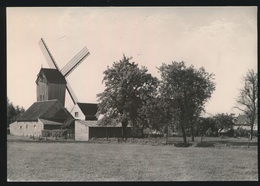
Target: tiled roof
[(242, 120), (49, 110), (53, 75), (88, 109)]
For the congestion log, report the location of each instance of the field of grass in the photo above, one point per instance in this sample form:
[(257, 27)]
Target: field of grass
[(28, 161)]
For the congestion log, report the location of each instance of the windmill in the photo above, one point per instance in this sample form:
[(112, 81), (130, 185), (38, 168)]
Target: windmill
[(68, 68)]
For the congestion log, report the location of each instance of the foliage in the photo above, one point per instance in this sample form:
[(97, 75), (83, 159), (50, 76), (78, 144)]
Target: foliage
[(182, 144), (248, 98), (205, 126), (127, 94), (184, 92), (205, 144), (13, 112), (224, 121)]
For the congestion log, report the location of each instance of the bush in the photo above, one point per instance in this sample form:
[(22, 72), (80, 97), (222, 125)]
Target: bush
[(182, 144), (243, 133), (204, 144)]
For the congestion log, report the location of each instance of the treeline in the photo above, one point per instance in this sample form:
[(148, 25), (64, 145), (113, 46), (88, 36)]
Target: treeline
[(13, 112), (176, 101)]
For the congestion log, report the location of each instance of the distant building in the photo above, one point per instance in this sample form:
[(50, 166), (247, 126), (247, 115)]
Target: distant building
[(242, 123), (41, 115)]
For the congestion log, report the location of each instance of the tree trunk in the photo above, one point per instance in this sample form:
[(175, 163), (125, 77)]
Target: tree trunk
[(142, 132), (252, 127), (184, 134), (192, 133), (124, 128)]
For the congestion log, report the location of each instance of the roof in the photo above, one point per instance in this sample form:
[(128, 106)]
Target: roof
[(224, 131), (90, 123), (50, 110), (242, 120), (53, 75), (88, 109), (48, 122)]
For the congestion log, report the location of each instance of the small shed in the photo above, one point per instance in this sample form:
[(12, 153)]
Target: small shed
[(85, 130)]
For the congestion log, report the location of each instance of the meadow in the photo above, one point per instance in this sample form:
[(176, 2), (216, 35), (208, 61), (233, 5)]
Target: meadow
[(59, 161)]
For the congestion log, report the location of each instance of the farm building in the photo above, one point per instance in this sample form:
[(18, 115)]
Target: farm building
[(51, 84), (85, 130), (242, 123), (84, 111), (42, 115)]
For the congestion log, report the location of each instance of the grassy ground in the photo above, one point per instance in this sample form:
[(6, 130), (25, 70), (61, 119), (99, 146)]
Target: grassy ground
[(61, 161)]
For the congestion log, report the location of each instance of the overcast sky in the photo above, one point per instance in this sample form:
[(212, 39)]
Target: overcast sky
[(223, 40)]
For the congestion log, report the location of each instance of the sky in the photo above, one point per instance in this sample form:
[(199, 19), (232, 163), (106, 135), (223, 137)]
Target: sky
[(223, 40)]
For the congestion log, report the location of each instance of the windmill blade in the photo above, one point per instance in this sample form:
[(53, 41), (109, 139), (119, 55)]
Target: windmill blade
[(71, 93), (47, 54), (75, 61)]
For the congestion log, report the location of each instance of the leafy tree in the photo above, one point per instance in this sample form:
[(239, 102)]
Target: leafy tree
[(204, 126), (224, 121), (184, 91), (248, 98), (13, 112), (127, 88)]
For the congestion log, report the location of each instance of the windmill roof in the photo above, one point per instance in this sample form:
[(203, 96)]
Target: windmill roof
[(88, 109), (53, 75), (50, 110)]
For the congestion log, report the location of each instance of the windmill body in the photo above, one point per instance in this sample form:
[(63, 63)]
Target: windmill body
[(50, 84)]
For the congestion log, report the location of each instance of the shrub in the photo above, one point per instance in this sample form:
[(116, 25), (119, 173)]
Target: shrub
[(204, 144), (243, 133), (182, 144)]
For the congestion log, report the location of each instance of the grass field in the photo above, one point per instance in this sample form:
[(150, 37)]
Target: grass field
[(28, 161)]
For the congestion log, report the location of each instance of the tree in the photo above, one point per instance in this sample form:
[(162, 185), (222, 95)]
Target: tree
[(204, 126), (13, 112), (224, 121), (127, 88), (184, 91), (248, 98)]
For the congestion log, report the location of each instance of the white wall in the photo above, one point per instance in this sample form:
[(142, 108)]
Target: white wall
[(245, 127), (81, 132), (33, 128), (76, 108)]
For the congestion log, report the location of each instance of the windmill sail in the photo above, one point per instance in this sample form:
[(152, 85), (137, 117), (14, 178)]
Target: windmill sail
[(47, 54), (71, 93), (74, 62)]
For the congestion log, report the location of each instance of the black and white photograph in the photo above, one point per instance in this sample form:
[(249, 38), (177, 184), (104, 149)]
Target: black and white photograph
[(141, 93)]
